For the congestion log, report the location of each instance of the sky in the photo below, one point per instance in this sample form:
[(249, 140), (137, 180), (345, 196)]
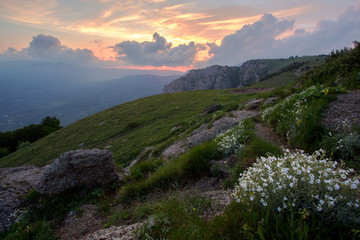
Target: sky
[(172, 34)]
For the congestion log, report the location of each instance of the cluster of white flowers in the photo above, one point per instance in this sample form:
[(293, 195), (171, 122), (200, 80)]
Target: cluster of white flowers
[(232, 140), (301, 181), (296, 100)]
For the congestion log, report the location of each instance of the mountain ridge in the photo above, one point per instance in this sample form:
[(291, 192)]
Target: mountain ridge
[(251, 71)]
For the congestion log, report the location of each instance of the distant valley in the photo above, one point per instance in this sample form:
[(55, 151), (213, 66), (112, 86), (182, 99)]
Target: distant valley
[(69, 93)]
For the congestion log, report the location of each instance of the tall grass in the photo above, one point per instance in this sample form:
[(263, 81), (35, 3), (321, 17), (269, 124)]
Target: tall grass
[(192, 165)]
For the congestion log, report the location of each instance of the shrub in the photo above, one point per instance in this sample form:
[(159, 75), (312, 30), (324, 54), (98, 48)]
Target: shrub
[(301, 182)]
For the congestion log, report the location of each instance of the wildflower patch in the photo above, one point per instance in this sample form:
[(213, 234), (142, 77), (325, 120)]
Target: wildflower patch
[(306, 183)]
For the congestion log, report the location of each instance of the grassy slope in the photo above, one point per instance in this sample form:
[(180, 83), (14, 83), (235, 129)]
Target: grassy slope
[(285, 78), (127, 128)]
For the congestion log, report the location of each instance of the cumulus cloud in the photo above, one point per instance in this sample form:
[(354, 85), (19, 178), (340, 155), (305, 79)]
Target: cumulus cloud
[(48, 48), (261, 39), (157, 53)]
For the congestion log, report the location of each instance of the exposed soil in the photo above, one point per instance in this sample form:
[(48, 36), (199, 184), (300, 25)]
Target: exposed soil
[(268, 135), (251, 90)]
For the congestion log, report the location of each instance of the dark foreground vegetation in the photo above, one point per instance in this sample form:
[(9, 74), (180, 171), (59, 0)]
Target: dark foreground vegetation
[(12, 140)]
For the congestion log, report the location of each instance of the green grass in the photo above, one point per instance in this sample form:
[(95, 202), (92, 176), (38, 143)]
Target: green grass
[(192, 165), (280, 80), (127, 128)]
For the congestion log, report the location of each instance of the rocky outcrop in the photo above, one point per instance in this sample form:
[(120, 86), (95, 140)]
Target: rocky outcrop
[(251, 72), (220, 77), (14, 184), (213, 77), (205, 133), (87, 168)]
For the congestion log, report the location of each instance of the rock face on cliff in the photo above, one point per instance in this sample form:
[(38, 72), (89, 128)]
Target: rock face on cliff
[(219, 77), (214, 77), (78, 168)]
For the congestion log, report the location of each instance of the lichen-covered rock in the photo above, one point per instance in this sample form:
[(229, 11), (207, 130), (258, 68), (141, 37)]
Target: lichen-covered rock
[(14, 184), (223, 124), (82, 167)]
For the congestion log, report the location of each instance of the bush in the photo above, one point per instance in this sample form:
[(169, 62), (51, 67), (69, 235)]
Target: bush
[(4, 152), (301, 182)]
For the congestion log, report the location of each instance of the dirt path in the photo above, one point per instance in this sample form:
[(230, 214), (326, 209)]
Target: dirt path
[(268, 135)]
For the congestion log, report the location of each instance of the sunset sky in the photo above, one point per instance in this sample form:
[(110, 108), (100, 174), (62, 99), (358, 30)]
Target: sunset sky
[(172, 34)]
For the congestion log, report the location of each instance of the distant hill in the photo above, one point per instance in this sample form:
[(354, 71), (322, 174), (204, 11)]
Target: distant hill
[(253, 71)]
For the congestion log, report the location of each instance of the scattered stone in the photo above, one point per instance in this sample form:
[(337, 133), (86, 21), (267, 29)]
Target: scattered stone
[(211, 109), (14, 183), (253, 103), (81, 167), (81, 145), (270, 101), (174, 128), (123, 232), (102, 123)]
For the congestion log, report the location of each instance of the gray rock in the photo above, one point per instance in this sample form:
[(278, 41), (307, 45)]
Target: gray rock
[(14, 183), (244, 114), (270, 100), (253, 103), (223, 124), (87, 168), (199, 138)]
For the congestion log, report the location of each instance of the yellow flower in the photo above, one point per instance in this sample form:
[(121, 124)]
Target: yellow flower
[(299, 122)]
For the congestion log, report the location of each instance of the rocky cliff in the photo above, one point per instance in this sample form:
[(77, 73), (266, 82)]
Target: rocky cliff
[(222, 77), (219, 77)]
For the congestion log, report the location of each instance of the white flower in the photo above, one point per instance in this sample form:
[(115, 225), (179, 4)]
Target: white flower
[(279, 209), (319, 209)]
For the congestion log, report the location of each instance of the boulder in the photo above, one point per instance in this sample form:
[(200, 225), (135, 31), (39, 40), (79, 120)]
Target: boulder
[(223, 124), (88, 168), (253, 103)]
